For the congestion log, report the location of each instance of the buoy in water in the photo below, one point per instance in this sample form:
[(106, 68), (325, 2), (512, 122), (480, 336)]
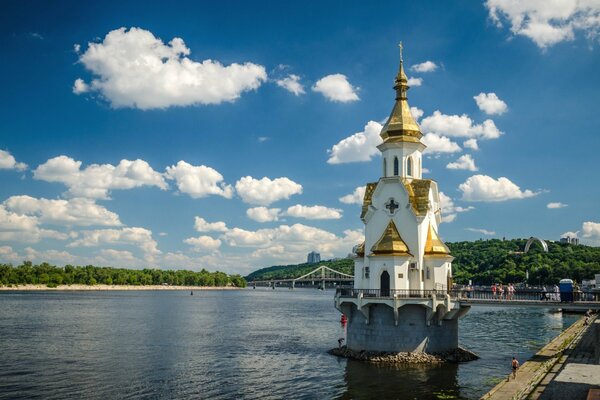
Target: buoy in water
[(192, 293)]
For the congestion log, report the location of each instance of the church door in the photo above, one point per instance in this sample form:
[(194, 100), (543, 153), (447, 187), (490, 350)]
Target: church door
[(385, 284)]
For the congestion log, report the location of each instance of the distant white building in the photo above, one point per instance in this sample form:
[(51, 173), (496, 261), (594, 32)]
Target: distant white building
[(570, 240), (313, 257)]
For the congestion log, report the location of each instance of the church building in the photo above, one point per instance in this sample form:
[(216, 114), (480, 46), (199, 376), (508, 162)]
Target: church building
[(403, 270)]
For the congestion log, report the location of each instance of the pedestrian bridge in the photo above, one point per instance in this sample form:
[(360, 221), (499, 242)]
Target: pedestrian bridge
[(319, 276), (576, 301)]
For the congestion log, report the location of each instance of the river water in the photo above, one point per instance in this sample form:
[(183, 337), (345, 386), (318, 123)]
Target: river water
[(242, 344)]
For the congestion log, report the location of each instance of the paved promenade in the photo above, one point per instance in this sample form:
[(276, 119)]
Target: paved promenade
[(534, 370)]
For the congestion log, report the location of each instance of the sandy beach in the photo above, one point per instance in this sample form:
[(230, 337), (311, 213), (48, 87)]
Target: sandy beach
[(114, 287)]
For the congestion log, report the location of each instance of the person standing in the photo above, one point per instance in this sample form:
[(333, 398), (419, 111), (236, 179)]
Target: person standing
[(494, 290), (511, 291), (515, 367), (501, 292)]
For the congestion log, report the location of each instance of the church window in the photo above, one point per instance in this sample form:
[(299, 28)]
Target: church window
[(409, 167), (366, 272), (396, 173), (428, 277), (384, 167)]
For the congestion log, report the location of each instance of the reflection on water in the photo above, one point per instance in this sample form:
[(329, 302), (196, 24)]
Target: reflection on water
[(231, 344)]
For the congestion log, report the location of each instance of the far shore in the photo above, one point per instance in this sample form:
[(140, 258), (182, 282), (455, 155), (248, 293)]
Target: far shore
[(114, 287)]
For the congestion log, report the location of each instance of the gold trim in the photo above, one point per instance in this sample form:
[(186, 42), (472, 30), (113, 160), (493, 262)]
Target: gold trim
[(434, 245), (369, 189), (390, 243), (418, 194)]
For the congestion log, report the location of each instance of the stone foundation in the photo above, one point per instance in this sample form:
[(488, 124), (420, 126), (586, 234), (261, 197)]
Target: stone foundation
[(412, 334), (454, 356)]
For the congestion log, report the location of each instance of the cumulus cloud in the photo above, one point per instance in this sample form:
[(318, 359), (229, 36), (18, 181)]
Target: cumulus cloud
[(313, 212), (427, 66), (7, 161), (265, 191), (16, 227), (471, 144), (292, 84), (591, 230), (263, 214), (117, 258), (570, 234), (439, 144), (465, 162), (133, 68), (361, 146), (449, 209), (198, 181), (203, 243), (547, 23), (417, 113), (459, 126), (336, 88), (77, 211), (95, 181), (482, 231), (556, 205), (414, 82), (490, 103), (201, 225), (133, 236), (79, 86), (355, 197), (486, 188)]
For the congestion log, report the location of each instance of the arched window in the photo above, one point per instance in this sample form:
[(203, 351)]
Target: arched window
[(409, 167), (384, 167), (396, 173)]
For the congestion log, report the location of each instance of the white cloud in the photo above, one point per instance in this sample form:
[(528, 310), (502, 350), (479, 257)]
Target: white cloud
[(77, 211), (355, 197), (79, 86), (134, 236), (198, 181), (57, 257), (490, 104), (117, 258), (471, 144), (292, 84), (133, 68), (459, 126), (336, 87), (263, 214), (449, 209), (7, 161), (361, 146), (8, 255), (24, 228), (486, 188), (591, 230), (556, 205), (262, 139), (414, 82), (427, 66), (465, 162), (313, 212), (202, 243), (570, 234), (95, 181), (547, 23), (439, 144), (201, 225), (482, 231), (266, 191), (416, 113)]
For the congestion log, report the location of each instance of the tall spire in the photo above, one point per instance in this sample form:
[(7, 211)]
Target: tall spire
[(401, 126)]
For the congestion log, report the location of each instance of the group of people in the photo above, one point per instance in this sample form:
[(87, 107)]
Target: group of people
[(498, 291), (554, 295)]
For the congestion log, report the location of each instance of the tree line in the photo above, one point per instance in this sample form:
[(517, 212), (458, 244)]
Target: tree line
[(51, 275), (485, 262)]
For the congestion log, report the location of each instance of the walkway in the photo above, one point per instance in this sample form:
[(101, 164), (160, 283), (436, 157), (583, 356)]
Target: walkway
[(532, 371)]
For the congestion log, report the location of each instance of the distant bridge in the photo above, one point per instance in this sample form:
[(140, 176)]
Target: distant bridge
[(321, 275)]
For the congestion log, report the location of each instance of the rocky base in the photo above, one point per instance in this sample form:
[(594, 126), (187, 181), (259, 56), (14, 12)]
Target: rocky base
[(453, 356)]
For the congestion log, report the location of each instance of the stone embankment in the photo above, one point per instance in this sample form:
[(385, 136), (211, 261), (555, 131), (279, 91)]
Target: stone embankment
[(453, 356), (78, 287)]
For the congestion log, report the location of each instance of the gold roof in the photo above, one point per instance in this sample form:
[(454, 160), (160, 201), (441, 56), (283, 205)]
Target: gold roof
[(418, 194), (401, 126), (370, 188), (360, 249), (434, 245), (390, 243)]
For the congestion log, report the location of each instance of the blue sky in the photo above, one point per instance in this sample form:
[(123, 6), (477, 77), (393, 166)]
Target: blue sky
[(224, 135)]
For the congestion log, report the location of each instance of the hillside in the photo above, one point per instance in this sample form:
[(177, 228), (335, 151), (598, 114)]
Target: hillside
[(486, 261)]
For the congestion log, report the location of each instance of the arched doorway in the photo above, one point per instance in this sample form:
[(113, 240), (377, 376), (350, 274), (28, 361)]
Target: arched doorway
[(384, 284)]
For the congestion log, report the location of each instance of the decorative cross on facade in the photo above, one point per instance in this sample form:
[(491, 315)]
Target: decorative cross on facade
[(392, 206)]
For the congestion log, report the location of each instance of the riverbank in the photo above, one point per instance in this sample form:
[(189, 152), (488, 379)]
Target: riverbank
[(533, 371), (112, 287), (387, 358)]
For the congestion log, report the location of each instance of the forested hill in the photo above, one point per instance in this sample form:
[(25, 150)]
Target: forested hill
[(486, 261)]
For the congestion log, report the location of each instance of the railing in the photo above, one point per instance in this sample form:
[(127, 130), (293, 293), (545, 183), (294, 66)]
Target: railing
[(390, 293), (479, 294)]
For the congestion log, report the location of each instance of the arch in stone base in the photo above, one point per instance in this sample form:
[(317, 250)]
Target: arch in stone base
[(534, 239)]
